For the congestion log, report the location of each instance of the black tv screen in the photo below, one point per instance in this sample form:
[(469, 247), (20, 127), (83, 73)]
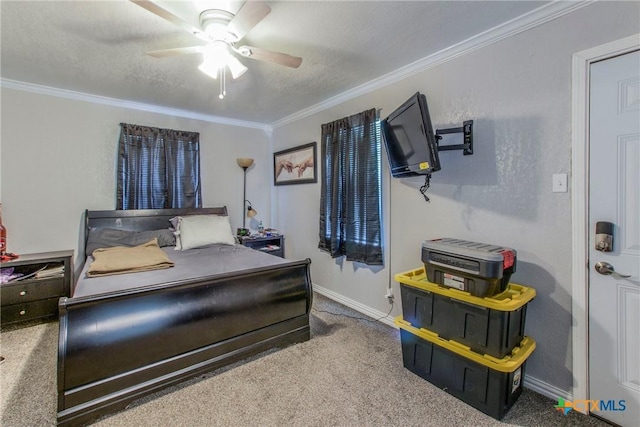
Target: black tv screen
[(410, 140)]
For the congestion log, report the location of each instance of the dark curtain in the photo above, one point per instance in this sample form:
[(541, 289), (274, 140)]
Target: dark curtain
[(350, 200), (158, 168)]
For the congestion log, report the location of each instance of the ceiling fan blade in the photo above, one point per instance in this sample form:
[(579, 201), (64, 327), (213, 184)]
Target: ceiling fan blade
[(270, 56), (168, 16), (165, 53), (248, 17)]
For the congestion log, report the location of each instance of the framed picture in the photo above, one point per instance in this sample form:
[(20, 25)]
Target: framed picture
[(295, 165)]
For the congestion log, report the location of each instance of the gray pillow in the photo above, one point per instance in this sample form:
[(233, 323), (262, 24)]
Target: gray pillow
[(110, 237)]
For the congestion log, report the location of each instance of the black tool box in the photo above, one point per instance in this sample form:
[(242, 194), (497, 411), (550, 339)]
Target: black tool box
[(478, 268)]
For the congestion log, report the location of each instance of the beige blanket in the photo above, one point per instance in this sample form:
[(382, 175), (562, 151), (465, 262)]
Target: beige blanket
[(121, 259)]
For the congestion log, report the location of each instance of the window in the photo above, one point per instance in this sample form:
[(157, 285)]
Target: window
[(350, 199), (158, 168)]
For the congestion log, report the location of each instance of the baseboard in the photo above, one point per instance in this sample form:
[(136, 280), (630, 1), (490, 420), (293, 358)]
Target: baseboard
[(546, 389), (532, 383), (379, 315)]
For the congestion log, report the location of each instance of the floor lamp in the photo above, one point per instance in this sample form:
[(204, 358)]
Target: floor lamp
[(245, 163)]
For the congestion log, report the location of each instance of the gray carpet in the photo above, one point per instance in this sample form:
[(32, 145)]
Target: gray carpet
[(349, 374)]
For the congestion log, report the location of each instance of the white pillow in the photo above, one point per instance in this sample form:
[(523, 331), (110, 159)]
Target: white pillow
[(195, 231)]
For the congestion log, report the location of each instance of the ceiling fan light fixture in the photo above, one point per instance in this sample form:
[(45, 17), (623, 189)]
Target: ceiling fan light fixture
[(221, 30), (210, 69), (216, 51), (236, 67), (214, 58)]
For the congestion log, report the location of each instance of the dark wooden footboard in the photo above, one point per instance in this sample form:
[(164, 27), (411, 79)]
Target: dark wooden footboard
[(115, 348)]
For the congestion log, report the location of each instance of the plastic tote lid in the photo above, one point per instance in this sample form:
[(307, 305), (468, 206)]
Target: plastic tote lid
[(512, 298), (508, 363)]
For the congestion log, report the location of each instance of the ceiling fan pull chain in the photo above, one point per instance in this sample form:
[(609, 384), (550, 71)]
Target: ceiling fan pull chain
[(222, 85), (224, 80)]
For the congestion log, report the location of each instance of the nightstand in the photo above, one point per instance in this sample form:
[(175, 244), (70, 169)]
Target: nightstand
[(36, 295), (270, 244)]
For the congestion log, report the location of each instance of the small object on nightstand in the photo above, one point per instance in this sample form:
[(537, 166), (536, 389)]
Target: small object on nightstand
[(8, 257), (271, 232)]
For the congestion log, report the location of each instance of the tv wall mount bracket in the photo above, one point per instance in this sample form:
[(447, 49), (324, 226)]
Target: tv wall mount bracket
[(467, 148), (467, 138)]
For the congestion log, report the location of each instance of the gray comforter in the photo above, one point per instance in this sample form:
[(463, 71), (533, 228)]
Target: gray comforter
[(189, 264)]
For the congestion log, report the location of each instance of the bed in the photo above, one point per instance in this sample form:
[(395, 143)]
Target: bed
[(125, 336)]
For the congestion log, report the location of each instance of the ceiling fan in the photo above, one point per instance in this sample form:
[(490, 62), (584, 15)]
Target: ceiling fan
[(221, 31)]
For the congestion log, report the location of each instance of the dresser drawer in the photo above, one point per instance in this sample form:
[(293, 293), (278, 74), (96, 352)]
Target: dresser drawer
[(31, 290), (273, 245), (277, 252), (29, 310)]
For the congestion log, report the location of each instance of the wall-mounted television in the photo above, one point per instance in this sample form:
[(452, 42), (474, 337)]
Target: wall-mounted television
[(410, 140)]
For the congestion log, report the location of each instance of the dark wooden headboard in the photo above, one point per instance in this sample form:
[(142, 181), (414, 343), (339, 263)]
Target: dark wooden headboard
[(142, 219)]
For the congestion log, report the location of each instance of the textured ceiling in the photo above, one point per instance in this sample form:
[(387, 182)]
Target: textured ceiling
[(98, 48)]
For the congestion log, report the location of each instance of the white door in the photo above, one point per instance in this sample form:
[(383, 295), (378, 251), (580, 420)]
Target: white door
[(614, 196)]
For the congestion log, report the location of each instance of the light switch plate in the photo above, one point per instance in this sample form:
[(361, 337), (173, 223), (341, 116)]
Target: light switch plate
[(559, 183)]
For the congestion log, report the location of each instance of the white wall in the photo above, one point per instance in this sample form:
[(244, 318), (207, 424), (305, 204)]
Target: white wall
[(59, 158), (518, 92)]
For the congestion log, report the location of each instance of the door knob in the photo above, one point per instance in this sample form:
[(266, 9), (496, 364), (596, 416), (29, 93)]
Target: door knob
[(607, 269)]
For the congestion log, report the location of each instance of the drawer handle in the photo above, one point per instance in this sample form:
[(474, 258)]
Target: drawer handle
[(23, 312), (23, 293)]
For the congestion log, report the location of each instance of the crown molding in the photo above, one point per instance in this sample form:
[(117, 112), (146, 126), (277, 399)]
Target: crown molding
[(120, 103), (505, 30), (510, 28)]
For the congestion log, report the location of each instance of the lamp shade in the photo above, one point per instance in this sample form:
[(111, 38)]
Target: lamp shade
[(236, 67), (251, 212), (244, 162)]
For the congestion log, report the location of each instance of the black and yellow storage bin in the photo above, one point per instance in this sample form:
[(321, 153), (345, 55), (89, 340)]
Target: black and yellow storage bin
[(489, 384), (490, 325)]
